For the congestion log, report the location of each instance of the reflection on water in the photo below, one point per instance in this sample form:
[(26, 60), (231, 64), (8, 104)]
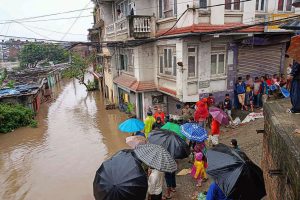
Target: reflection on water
[(58, 159)]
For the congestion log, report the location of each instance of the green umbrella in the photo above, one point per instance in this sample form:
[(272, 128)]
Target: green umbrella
[(175, 128)]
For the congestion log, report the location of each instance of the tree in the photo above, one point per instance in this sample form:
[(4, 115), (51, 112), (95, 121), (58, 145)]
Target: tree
[(33, 53), (78, 69), (3, 76)]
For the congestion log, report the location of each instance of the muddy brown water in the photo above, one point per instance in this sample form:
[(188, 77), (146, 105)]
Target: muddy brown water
[(58, 160)]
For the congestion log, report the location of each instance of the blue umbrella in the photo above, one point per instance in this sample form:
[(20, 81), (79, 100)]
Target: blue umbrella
[(285, 92), (131, 125), (194, 132)]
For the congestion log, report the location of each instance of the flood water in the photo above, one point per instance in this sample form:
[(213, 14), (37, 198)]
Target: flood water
[(58, 160)]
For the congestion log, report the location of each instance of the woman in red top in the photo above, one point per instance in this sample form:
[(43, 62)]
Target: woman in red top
[(159, 114), (201, 113), (215, 132)]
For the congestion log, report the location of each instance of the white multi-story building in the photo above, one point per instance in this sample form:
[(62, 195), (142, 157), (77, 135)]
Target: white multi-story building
[(166, 52)]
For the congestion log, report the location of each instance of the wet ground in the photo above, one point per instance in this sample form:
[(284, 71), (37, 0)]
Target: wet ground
[(58, 160)]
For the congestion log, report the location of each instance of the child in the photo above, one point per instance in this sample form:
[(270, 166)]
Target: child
[(198, 169), (251, 100), (227, 104), (155, 183), (215, 132)]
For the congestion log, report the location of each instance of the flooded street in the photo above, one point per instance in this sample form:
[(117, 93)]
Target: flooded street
[(58, 160)]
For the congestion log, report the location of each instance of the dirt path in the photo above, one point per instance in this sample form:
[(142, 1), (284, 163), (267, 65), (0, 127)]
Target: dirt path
[(248, 140)]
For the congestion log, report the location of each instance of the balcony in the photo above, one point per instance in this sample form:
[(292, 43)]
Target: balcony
[(94, 35), (135, 26)]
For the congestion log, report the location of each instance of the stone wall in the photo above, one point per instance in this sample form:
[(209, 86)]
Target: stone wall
[(281, 152)]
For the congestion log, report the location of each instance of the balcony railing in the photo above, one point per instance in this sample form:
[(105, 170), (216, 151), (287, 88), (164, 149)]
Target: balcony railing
[(134, 26)]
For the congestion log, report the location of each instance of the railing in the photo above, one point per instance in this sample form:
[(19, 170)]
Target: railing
[(141, 24), (135, 25), (110, 29)]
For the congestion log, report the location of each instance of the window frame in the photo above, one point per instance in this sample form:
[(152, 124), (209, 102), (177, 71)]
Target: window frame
[(161, 10), (192, 54), (259, 4), (232, 5), (167, 67), (218, 53), (284, 7), (128, 60), (206, 2)]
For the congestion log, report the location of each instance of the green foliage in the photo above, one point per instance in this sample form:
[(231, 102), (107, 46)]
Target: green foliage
[(78, 69), (33, 53), (33, 124), (3, 75), (11, 84), (15, 116), (130, 108), (98, 68)]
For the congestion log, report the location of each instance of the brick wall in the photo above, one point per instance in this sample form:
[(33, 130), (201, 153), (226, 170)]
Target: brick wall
[(281, 152)]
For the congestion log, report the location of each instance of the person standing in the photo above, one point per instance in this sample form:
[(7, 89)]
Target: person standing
[(187, 112), (159, 113), (171, 184), (155, 184), (295, 88), (215, 132), (227, 104), (257, 92), (249, 88), (264, 90), (198, 171), (201, 114), (149, 121), (241, 90), (211, 100)]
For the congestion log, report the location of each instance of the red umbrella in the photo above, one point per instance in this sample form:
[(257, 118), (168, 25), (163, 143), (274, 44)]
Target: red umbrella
[(219, 115)]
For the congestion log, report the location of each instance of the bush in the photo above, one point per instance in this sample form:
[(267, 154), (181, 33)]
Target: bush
[(15, 116)]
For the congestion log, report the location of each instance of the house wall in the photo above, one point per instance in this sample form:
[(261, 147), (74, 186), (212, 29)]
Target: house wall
[(144, 59)]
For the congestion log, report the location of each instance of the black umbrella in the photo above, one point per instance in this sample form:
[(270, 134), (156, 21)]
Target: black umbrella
[(121, 178), (236, 175), (176, 146)]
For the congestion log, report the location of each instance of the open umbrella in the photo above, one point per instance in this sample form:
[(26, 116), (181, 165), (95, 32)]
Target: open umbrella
[(176, 146), (173, 127), (194, 132), (236, 175), (131, 125), (156, 157), (119, 181), (219, 115), (134, 141)]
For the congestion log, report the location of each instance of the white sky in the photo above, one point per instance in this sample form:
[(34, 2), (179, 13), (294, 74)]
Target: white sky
[(15, 9)]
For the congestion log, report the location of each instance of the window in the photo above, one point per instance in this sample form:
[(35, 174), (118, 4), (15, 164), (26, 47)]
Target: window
[(285, 5), (192, 62), (127, 7), (232, 5), (127, 60), (218, 61), (167, 8), (167, 61), (203, 4), (260, 5)]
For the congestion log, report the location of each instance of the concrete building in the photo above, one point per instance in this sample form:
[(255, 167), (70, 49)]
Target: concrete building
[(168, 52)]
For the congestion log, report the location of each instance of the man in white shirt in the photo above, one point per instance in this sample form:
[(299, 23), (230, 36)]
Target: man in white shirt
[(155, 184)]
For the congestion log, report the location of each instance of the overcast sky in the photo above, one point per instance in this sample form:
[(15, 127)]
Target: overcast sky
[(16, 9)]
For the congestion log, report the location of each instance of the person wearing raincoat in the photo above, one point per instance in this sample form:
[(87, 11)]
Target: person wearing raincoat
[(201, 114), (198, 170), (215, 193), (295, 88), (149, 121)]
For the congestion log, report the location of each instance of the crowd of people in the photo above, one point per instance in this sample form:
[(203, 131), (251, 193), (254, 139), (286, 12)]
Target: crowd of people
[(200, 115)]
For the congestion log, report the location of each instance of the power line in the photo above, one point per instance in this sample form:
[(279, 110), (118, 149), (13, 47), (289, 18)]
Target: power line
[(53, 31), (43, 20), (34, 31), (63, 37), (47, 15)]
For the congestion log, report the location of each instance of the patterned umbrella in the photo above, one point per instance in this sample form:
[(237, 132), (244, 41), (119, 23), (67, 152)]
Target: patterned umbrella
[(169, 140), (131, 125), (194, 132), (134, 141), (219, 115), (175, 128), (156, 157)]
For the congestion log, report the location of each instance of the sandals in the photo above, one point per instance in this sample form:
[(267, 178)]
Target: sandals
[(166, 197)]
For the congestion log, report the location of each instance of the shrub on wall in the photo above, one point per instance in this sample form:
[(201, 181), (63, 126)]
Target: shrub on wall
[(15, 116)]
